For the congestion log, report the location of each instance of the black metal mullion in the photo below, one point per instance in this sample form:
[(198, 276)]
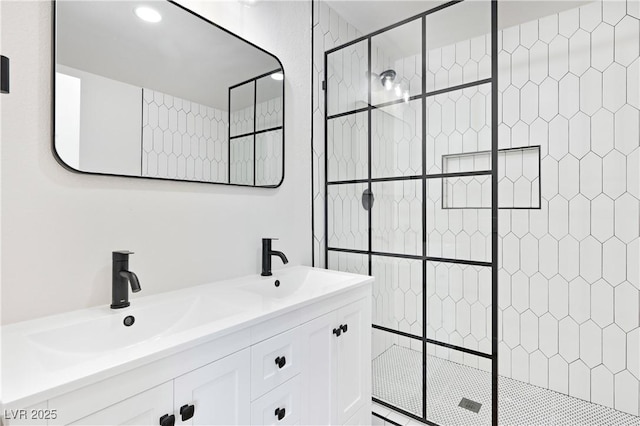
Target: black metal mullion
[(386, 420), (257, 132), (398, 332), (414, 177), (411, 98), (494, 212), (229, 135), (458, 87), (424, 216), (313, 218), (255, 101), (255, 78), (345, 113), (414, 257), (459, 348), (369, 210), (326, 166), (426, 340)]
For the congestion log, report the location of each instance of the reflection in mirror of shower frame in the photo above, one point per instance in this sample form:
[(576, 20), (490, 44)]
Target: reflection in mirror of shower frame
[(244, 123)]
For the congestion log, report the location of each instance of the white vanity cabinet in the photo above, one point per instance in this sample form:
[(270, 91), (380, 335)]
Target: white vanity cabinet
[(337, 373), (308, 366)]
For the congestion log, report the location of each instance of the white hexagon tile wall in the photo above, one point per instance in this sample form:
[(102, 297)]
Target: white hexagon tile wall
[(569, 277)]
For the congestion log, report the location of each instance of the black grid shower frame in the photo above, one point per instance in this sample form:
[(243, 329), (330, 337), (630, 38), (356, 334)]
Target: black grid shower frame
[(255, 132), (493, 356)]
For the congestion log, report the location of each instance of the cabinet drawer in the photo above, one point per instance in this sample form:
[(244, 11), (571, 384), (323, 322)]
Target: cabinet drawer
[(286, 397), (142, 409), (274, 361)]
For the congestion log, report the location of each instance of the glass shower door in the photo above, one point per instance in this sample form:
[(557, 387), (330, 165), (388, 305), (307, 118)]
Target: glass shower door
[(411, 199)]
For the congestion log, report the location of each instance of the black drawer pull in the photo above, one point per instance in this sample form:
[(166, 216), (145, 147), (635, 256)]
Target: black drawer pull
[(186, 411), (344, 328), (280, 412), (337, 331), (167, 420), (281, 361)]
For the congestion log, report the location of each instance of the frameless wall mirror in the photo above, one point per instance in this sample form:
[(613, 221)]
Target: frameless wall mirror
[(150, 89)]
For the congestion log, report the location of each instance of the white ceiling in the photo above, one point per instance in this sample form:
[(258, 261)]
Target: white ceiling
[(182, 55)]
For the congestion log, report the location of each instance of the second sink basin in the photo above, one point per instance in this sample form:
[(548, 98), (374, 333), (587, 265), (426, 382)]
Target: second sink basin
[(295, 283)]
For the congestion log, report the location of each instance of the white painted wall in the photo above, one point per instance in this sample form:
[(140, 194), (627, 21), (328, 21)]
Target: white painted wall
[(110, 123), (59, 228), (110, 119), (67, 130)]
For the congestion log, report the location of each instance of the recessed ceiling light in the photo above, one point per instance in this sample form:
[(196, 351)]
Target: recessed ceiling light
[(147, 14), (277, 76)]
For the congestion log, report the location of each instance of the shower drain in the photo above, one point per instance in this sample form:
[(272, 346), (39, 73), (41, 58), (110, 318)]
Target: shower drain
[(470, 405)]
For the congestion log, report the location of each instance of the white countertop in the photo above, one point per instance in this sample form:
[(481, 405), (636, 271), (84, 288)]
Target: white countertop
[(48, 356)]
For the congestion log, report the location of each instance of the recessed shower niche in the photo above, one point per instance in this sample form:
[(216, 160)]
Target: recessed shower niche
[(154, 90)]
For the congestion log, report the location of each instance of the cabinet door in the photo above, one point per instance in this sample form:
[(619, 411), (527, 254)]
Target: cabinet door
[(353, 350), (146, 408), (318, 370), (219, 392)]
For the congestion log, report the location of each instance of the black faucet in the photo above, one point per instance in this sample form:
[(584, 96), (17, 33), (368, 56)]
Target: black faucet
[(266, 256), (120, 277)]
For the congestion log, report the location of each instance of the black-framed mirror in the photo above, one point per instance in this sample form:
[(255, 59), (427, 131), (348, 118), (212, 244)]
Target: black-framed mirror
[(151, 89)]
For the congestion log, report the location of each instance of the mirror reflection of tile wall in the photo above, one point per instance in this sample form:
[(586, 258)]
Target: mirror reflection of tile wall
[(183, 139)]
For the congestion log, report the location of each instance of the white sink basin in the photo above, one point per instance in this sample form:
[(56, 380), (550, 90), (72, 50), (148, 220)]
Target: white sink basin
[(109, 332), (77, 342), (296, 283)]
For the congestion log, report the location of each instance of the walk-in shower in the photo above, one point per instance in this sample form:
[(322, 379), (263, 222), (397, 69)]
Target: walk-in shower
[(480, 160)]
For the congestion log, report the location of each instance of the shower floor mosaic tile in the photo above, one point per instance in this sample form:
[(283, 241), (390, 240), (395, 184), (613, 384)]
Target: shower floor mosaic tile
[(397, 379)]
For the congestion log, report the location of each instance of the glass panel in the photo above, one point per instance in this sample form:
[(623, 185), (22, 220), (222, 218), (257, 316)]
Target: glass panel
[(348, 262), (451, 376), (397, 370), (269, 102), (242, 160), (458, 122), (397, 293), (397, 217), (459, 305), (269, 158), (347, 147), (458, 47), (347, 78), (347, 219), (396, 63), (241, 106), (396, 140), (453, 230)]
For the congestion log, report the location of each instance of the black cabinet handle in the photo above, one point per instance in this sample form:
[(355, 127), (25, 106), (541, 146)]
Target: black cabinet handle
[(344, 328), (337, 331), (186, 411), (281, 361), (167, 420), (280, 412)]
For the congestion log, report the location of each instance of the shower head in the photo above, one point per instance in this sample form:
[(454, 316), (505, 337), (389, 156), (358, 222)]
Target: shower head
[(387, 78)]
